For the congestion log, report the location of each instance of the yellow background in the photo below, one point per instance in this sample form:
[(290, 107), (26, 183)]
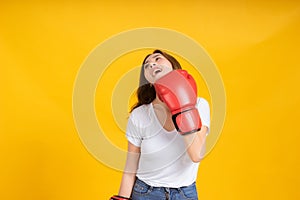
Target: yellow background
[(255, 45)]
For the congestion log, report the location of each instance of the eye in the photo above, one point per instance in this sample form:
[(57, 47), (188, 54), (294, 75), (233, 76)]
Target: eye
[(157, 58)]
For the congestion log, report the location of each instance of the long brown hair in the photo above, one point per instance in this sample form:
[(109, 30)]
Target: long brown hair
[(146, 92)]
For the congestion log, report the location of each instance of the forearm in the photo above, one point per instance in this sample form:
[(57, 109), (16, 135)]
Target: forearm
[(127, 183), (129, 174), (195, 144)]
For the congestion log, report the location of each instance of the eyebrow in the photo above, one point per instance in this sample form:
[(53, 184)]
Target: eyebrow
[(152, 57)]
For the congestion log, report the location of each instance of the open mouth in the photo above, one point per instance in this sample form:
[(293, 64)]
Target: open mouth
[(156, 71)]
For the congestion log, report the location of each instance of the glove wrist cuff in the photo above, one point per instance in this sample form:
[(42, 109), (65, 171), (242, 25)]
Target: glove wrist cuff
[(118, 197)]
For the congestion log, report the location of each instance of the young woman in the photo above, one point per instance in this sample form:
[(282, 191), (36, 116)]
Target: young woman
[(161, 162)]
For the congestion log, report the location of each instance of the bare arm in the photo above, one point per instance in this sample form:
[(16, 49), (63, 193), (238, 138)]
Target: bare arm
[(129, 173), (195, 143)]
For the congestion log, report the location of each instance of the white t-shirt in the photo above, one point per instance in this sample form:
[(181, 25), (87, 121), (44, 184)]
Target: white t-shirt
[(164, 161)]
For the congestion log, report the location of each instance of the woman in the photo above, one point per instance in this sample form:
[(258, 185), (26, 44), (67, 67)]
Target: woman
[(161, 163)]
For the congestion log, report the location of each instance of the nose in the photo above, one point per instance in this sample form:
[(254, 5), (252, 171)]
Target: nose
[(152, 64)]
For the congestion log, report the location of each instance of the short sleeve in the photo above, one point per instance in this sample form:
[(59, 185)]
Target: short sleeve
[(133, 132), (204, 112)]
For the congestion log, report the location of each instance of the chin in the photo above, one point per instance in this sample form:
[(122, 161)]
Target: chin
[(159, 76)]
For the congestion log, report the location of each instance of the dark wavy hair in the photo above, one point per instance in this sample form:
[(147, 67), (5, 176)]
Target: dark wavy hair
[(146, 92)]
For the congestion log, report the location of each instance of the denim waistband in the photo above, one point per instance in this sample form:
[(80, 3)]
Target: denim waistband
[(165, 188)]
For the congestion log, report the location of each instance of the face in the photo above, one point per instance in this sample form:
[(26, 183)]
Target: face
[(156, 66)]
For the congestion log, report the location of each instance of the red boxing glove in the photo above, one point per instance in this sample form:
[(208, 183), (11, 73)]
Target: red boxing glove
[(117, 197), (178, 91)]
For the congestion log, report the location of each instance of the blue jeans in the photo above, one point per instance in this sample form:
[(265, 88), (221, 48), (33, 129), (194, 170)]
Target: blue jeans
[(143, 191)]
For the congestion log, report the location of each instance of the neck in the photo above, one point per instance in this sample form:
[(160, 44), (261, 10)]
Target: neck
[(157, 101)]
